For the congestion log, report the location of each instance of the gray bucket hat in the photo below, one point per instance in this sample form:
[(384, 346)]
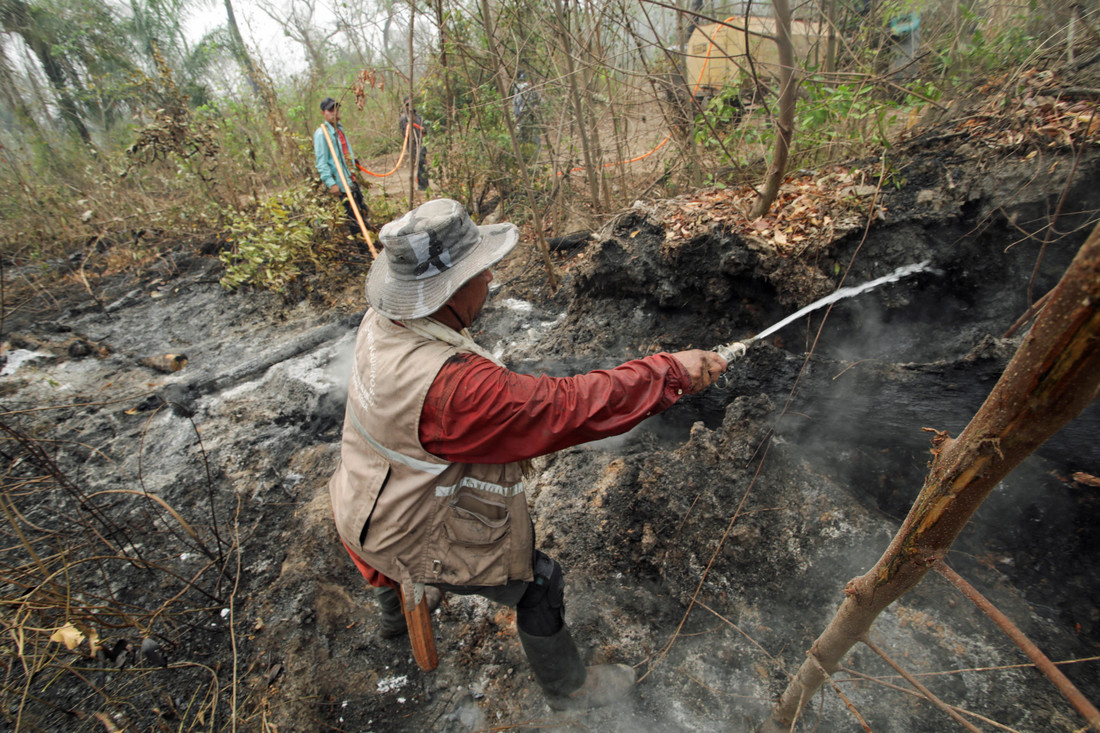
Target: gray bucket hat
[(428, 254)]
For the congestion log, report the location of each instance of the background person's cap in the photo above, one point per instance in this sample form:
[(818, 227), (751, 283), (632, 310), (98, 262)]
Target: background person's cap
[(329, 103)]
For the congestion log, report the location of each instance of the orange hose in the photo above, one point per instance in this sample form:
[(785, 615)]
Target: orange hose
[(694, 91), (623, 162), (404, 147)]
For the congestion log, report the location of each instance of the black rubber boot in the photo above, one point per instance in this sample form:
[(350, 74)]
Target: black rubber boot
[(565, 680), (393, 618)]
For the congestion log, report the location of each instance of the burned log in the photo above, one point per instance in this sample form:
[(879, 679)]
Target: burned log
[(570, 242), (166, 363), (181, 395)]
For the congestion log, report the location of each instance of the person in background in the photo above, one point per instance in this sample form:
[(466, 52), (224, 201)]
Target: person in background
[(438, 437), (525, 99), (345, 159), (417, 150), (525, 102)]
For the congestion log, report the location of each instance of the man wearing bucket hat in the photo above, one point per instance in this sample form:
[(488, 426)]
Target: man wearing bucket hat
[(438, 435)]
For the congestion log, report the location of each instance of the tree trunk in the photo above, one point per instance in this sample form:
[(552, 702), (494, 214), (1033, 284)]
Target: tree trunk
[(387, 49), (444, 167), (1053, 376), (829, 17), (578, 108), (12, 98), (785, 124), (444, 63), (502, 89), (241, 52), (414, 147), (18, 18)]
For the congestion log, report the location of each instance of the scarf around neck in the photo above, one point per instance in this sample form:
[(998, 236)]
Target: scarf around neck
[(432, 329)]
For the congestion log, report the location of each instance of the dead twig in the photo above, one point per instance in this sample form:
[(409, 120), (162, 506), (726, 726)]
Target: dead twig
[(84, 278), (1042, 661), (836, 688), (859, 676), (928, 694)]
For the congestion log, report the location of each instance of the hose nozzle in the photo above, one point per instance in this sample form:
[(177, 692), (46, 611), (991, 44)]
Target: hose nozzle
[(732, 352)]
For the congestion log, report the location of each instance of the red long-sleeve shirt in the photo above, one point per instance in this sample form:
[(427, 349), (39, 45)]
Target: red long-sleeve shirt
[(478, 412)]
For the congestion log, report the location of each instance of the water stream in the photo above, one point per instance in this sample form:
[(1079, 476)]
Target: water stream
[(833, 297)]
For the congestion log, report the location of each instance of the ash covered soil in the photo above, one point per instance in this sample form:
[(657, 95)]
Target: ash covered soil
[(708, 548)]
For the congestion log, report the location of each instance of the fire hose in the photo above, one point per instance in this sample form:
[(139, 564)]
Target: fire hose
[(347, 191)]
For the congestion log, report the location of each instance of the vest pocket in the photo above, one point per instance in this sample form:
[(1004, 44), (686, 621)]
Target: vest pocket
[(475, 541), (475, 521), (374, 504)]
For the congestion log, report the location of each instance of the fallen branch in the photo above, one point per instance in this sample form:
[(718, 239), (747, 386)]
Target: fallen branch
[(1042, 661), (181, 395), (1085, 92)]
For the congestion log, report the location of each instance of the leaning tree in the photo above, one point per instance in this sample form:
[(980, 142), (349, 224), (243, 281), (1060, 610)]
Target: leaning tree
[(1054, 375)]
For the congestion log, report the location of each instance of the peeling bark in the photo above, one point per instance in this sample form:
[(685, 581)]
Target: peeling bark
[(1054, 375)]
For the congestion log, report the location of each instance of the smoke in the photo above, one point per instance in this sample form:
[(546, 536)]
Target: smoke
[(338, 371)]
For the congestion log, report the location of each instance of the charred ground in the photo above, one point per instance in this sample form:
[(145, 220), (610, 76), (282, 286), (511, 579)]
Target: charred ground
[(708, 548)]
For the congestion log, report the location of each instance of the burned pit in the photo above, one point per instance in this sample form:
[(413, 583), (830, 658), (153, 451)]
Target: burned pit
[(708, 548)]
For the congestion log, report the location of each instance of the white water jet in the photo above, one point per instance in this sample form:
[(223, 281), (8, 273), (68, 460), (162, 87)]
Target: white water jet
[(833, 297)]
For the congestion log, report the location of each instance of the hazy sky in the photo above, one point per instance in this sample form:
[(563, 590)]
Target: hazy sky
[(263, 35)]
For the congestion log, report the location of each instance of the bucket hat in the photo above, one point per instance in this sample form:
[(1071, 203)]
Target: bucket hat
[(428, 254)]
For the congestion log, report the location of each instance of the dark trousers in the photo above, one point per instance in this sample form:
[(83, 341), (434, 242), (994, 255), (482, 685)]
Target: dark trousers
[(539, 603), (421, 163), (540, 621), (357, 194)]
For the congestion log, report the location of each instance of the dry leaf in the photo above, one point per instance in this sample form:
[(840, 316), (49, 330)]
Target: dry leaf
[(1087, 479), (914, 118), (68, 635), (274, 672)]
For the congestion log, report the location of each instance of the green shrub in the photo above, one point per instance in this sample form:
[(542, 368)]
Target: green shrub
[(277, 240), (832, 121)]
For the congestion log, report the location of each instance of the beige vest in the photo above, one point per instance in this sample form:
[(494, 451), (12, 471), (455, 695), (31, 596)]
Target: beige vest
[(407, 513)]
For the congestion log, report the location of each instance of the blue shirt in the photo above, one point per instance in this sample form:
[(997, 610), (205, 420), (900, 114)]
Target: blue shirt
[(326, 166)]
